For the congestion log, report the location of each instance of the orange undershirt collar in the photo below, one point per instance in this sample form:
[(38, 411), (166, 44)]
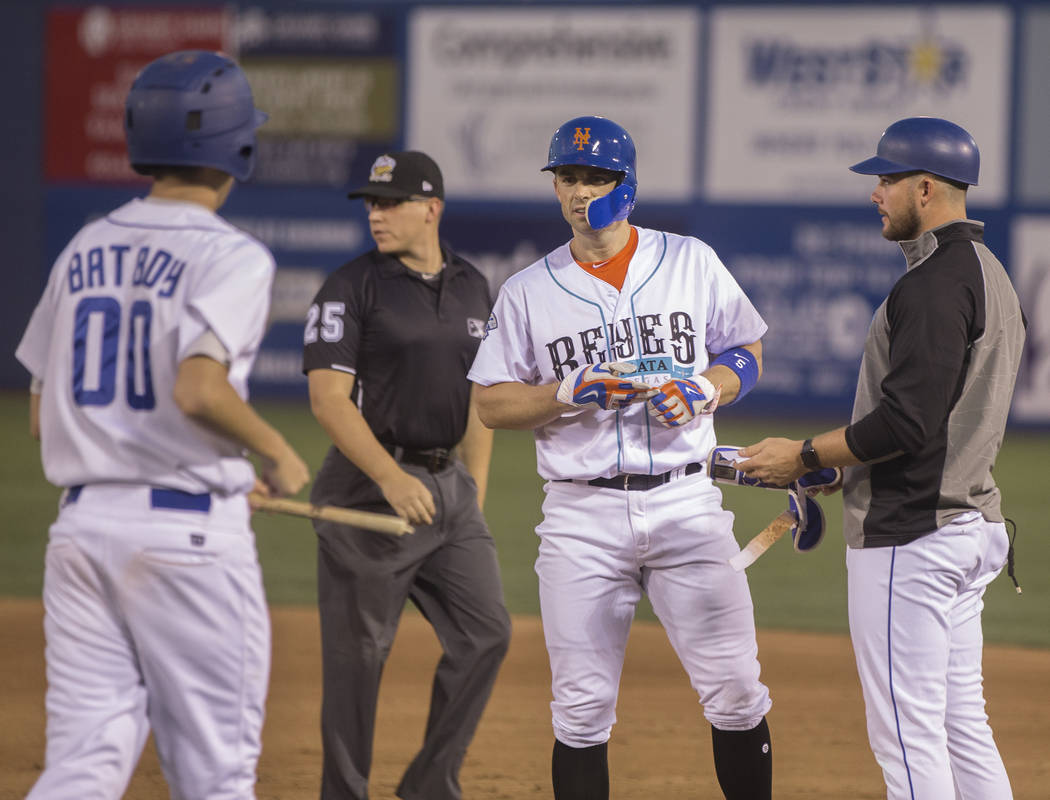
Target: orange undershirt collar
[(613, 270)]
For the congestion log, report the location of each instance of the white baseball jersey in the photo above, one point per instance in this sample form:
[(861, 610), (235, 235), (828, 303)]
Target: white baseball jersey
[(125, 300), (678, 303)]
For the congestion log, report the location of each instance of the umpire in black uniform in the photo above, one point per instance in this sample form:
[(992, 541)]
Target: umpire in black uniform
[(388, 342)]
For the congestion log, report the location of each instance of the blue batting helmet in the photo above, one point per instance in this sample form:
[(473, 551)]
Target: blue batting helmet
[(598, 142), (925, 144), (192, 108)]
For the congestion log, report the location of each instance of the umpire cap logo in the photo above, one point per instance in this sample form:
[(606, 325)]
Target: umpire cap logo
[(382, 170), (582, 137)]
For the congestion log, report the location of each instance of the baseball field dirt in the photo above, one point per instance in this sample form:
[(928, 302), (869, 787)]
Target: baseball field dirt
[(660, 746)]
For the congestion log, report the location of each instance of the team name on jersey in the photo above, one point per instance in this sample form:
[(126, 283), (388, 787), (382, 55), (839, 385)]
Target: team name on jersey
[(115, 263), (645, 340)]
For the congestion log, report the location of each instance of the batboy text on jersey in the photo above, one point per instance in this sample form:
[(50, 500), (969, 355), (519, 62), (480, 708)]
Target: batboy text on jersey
[(143, 266)]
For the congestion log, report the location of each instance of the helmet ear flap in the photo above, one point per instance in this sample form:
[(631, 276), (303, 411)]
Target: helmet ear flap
[(613, 207)]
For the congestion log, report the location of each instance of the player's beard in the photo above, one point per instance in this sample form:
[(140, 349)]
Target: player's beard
[(903, 226)]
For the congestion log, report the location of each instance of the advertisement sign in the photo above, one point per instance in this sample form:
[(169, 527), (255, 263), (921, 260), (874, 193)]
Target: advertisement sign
[(92, 56), (1033, 108), (1030, 272), (310, 234), (487, 87), (816, 277), (801, 93), (331, 82)]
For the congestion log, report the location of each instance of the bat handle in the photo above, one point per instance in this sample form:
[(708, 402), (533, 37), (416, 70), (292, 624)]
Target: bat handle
[(762, 541)]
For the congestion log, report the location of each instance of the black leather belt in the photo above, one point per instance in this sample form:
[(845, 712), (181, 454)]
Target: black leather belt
[(434, 459), (632, 482)]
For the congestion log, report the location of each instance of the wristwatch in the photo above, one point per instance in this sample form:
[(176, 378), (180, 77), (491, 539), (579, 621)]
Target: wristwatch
[(809, 455)]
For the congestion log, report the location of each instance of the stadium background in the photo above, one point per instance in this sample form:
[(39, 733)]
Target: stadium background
[(746, 116)]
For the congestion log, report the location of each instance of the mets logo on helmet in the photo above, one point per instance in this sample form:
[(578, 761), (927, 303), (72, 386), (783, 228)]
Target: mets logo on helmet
[(382, 170), (582, 137)]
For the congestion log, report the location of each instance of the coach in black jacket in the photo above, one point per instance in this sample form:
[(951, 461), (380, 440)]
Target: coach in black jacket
[(922, 522)]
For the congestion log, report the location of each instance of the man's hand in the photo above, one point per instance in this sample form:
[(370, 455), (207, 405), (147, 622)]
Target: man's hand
[(776, 461), (409, 497), (679, 401), (285, 475), (602, 385)]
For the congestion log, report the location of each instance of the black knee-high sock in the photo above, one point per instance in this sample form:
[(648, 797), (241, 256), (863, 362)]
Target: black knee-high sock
[(744, 762), (580, 773)]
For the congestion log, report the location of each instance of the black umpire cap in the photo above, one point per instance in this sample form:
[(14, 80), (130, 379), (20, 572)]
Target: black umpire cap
[(410, 173)]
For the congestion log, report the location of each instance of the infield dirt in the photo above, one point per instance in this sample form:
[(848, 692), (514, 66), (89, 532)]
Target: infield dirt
[(660, 747)]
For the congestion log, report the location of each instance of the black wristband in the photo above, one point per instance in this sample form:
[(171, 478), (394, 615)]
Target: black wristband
[(809, 455)]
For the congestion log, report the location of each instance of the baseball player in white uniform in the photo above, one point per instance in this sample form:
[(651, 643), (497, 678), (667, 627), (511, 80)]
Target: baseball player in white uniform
[(613, 349), (140, 350), (924, 529)]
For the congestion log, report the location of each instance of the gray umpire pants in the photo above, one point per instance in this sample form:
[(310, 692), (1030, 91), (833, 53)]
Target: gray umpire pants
[(450, 572)]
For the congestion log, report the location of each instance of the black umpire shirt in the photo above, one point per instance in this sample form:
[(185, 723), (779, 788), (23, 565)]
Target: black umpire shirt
[(408, 341)]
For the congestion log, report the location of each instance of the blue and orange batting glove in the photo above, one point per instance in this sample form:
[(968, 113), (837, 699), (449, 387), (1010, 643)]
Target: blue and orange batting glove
[(603, 385), (680, 400)]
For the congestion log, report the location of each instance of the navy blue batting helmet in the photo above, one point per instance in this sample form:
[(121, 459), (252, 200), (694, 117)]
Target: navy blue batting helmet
[(598, 142), (192, 108), (925, 144)]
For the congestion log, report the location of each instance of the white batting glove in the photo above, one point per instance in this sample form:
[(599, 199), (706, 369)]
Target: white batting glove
[(680, 400), (602, 385)]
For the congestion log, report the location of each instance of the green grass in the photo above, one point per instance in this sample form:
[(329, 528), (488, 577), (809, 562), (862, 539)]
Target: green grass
[(790, 590)]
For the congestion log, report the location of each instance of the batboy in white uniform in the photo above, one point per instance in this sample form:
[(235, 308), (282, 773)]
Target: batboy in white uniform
[(609, 375), (140, 350)]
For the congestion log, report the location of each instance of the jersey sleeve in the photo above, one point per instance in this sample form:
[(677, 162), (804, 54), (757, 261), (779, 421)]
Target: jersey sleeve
[(231, 297), (33, 349), (930, 329), (505, 354), (732, 320), (36, 341), (332, 335)]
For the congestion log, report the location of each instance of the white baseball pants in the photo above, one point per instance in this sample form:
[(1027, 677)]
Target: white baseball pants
[(915, 621), (153, 618), (600, 549)]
